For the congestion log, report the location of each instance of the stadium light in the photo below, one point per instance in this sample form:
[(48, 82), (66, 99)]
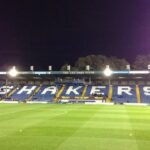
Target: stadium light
[(32, 68), (107, 72), (68, 67), (13, 72), (87, 68), (128, 67), (50, 68)]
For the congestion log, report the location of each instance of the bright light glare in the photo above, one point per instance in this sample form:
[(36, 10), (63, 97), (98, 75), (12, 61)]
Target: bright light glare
[(108, 72), (13, 72)]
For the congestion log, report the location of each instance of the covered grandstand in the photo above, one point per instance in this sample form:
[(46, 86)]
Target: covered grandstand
[(76, 87)]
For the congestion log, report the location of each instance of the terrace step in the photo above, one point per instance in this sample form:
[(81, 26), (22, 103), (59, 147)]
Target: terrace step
[(59, 93), (84, 91), (138, 95), (110, 93), (12, 92), (36, 91)]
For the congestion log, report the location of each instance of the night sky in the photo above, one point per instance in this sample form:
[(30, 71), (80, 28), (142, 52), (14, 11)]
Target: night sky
[(42, 33)]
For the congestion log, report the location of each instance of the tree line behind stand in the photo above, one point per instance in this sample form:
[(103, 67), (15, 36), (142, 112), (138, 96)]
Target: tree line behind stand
[(99, 62)]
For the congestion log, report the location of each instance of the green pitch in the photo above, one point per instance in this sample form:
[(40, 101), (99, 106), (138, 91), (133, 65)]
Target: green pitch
[(74, 127)]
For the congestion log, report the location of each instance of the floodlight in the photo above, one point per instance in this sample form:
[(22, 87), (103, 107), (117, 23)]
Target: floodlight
[(68, 67), (107, 72), (13, 72)]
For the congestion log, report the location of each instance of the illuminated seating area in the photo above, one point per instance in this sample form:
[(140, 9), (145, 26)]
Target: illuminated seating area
[(145, 94), (122, 94), (76, 92), (73, 90), (46, 93), (23, 93)]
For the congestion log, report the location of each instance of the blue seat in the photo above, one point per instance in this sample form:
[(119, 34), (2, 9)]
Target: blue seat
[(24, 95), (102, 90), (72, 94), (124, 97), (47, 96), (145, 98)]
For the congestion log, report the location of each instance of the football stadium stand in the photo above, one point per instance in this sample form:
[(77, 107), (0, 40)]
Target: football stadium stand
[(58, 92), (76, 86)]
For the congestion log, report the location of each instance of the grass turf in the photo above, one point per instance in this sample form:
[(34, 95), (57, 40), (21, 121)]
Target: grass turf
[(74, 127)]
